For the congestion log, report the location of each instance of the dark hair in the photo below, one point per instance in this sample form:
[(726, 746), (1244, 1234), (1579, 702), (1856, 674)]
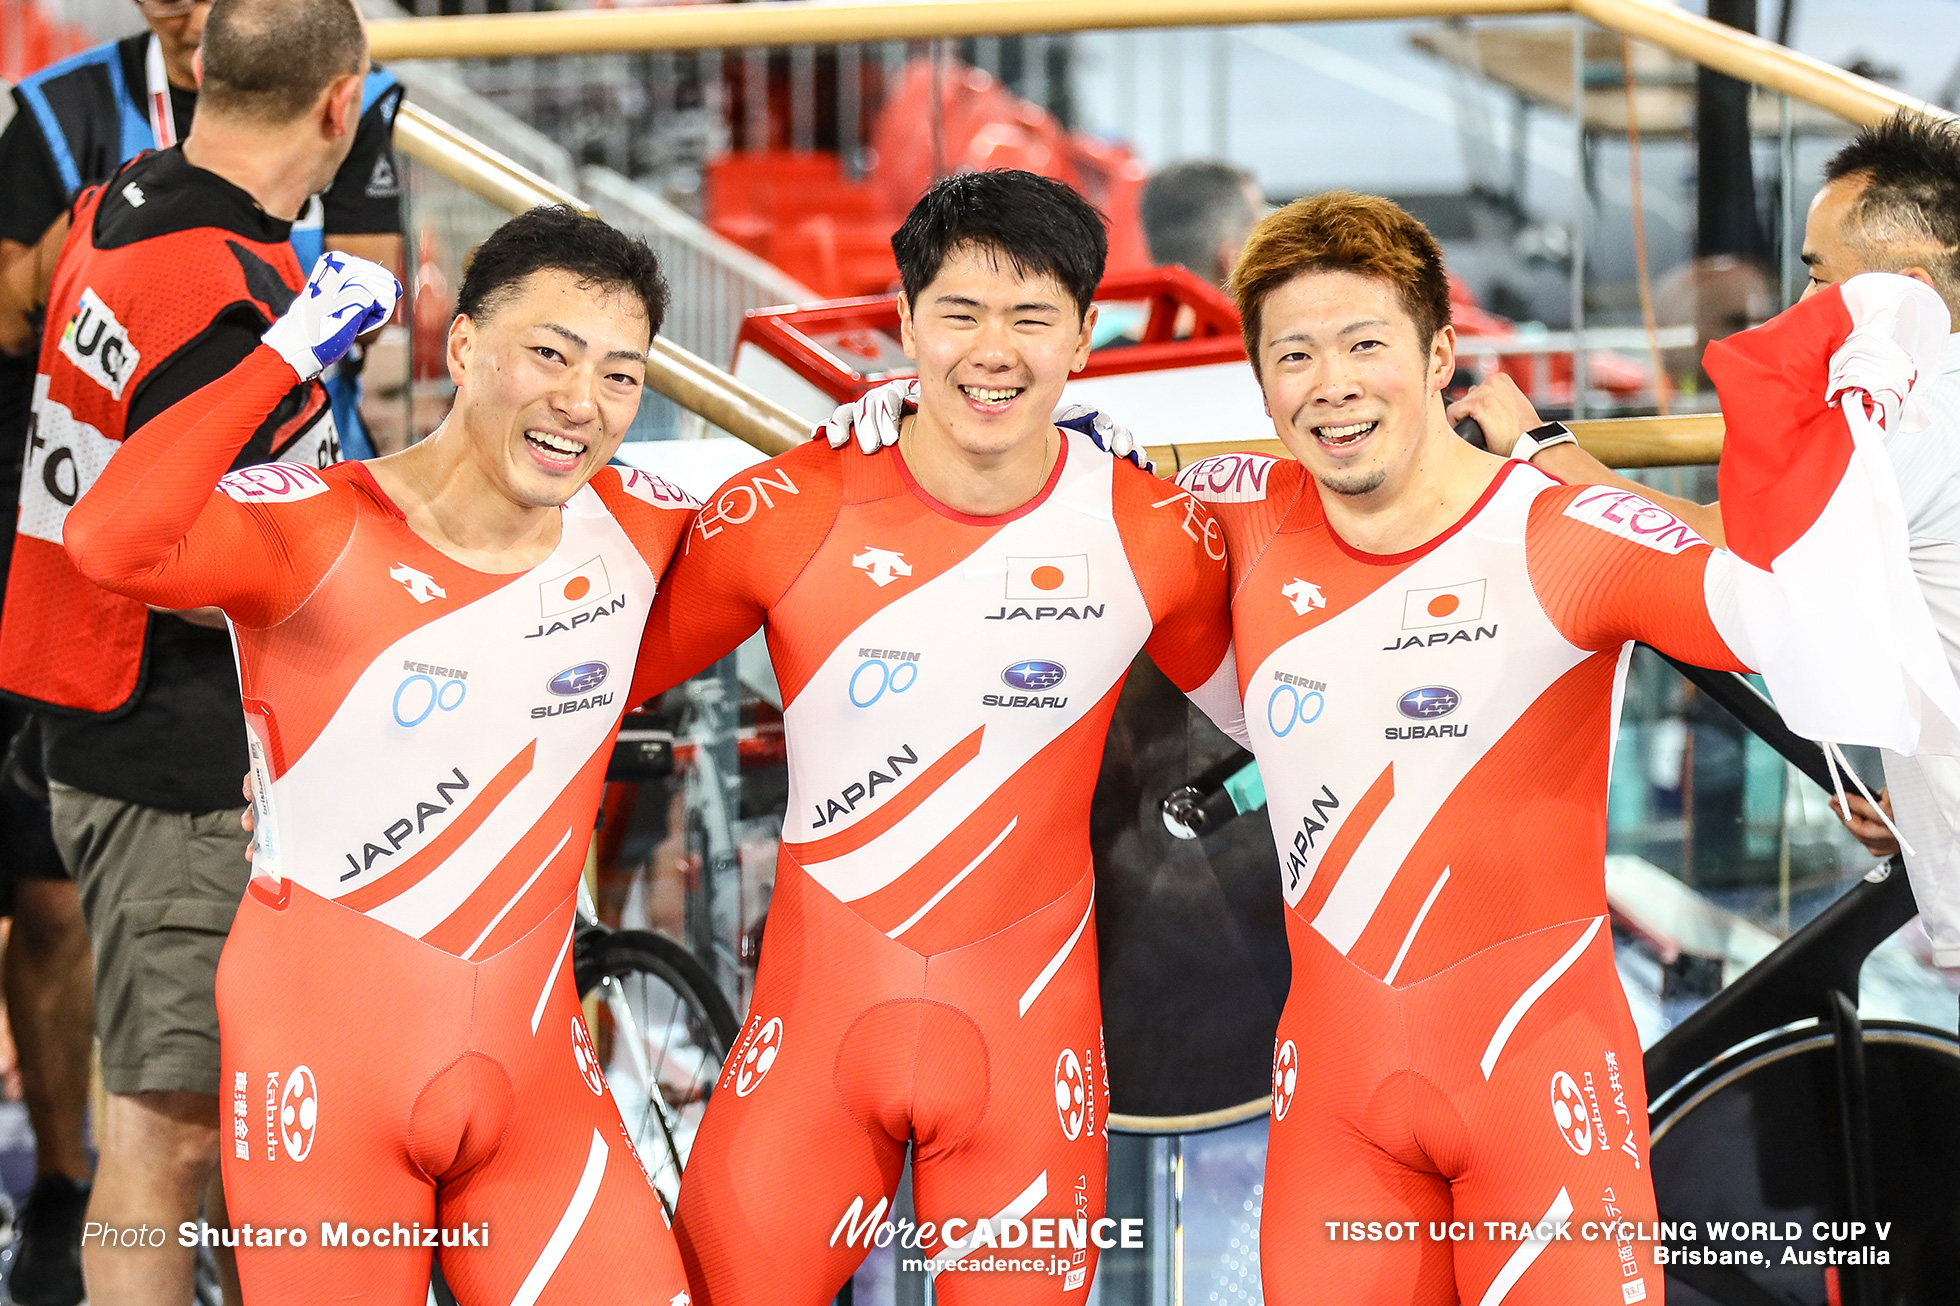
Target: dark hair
[(1191, 209), (1341, 231), (1912, 200), (559, 237), (270, 59), (1039, 226)]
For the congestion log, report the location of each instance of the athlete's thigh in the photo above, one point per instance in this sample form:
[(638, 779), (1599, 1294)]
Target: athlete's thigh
[(570, 1214), (1013, 1111), (782, 1170), (319, 1069), (1326, 1165), (1559, 1135), (1343, 1146)]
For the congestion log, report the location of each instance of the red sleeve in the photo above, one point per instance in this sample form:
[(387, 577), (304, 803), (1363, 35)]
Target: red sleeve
[(1249, 495), (1177, 551), (742, 552), (653, 512), (152, 526), (1610, 566)]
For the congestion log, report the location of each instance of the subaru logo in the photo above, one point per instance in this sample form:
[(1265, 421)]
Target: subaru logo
[(1034, 675), (583, 678), (1429, 702)]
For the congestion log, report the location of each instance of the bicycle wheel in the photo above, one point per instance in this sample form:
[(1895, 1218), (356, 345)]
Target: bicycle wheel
[(670, 1030), (1754, 1141)]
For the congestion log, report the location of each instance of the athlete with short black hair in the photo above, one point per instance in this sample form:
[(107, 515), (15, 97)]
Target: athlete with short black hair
[(435, 650), (950, 624)]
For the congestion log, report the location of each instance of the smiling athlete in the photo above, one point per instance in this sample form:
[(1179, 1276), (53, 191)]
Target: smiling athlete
[(951, 623), (435, 651), (1456, 1045)]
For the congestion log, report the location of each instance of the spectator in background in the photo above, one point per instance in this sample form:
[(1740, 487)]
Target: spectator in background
[(1890, 203), (70, 126), (85, 116), (1198, 214), (166, 281)]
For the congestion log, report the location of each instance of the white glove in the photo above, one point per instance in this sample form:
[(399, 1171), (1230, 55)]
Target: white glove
[(344, 297), (1112, 439), (873, 417), (1898, 335)]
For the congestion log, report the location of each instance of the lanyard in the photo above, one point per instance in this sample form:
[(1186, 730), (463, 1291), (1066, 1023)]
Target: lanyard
[(163, 124)]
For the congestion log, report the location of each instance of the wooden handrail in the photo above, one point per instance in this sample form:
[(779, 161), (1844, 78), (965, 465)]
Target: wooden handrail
[(687, 379), (810, 22), (698, 386), (796, 22), (1615, 441)]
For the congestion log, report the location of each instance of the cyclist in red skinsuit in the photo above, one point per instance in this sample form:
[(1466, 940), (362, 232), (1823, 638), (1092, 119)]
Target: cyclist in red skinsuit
[(1432, 644), (434, 651), (928, 974)]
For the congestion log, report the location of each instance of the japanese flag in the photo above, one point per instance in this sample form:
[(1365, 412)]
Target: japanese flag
[(575, 589), (1449, 606), (1819, 593), (1048, 578)]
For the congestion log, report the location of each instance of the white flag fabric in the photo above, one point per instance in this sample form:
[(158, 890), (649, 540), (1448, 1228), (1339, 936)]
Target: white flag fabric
[(1822, 585)]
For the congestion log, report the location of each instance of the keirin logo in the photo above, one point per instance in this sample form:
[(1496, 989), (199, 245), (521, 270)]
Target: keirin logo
[(586, 1057), (1071, 1093), (1286, 1077), (1569, 1110), (761, 1055), (299, 1113)]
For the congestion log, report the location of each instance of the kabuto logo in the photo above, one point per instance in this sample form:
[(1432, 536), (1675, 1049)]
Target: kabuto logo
[(98, 345), (760, 1055), (1575, 1122), (299, 1113), (586, 1057), (1071, 1093), (1286, 1076)]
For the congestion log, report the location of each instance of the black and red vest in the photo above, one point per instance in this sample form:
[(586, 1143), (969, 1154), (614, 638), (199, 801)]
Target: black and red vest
[(155, 257)]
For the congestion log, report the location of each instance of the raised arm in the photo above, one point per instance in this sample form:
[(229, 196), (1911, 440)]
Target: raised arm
[(154, 527)]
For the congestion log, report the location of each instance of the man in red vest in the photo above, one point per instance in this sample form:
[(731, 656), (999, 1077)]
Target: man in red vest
[(167, 276)]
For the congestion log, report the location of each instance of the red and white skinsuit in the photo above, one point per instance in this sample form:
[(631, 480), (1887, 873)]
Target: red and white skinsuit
[(928, 973), (402, 1043), (1435, 732)]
